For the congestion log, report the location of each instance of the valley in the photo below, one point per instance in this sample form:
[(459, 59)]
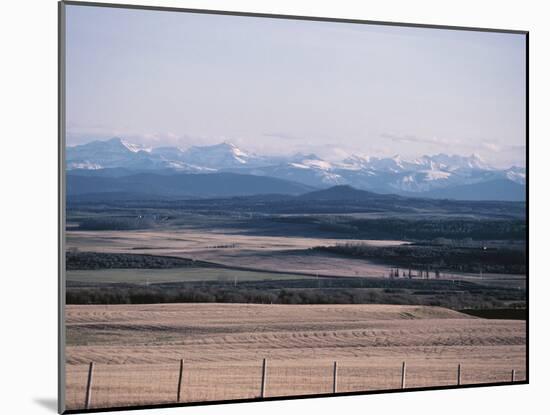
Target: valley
[(236, 258)]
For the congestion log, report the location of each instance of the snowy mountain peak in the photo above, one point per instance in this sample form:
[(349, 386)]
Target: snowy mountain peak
[(134, 148), (382, 174), (237, 152), (390, 164), (220, 156), (453, 162), (355, 162), (119, 143), (516, 174)]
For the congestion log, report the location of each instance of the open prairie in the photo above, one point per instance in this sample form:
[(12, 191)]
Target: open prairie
[(256, 252), (174, 275), (136, 350), (293, 255), (225, 284)]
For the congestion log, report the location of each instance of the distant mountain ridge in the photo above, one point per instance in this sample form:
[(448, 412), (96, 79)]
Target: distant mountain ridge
[(150, 185), (498, 189), (345, 193), (440, 175)]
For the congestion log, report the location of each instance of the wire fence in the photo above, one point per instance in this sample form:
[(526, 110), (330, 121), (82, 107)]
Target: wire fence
[(116, 385)]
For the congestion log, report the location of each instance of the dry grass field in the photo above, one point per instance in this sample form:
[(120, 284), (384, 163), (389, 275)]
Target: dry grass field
[(141, 276), (136, 350), (265, 253)]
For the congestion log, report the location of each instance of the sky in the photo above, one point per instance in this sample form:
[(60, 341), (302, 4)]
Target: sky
[(276, 86)]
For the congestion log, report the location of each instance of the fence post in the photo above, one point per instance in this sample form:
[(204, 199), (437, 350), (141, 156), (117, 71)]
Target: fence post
[(403, 375), (458, 375), (264, 378), (89, 386), (335, 377), (513, 375), (180, 380)]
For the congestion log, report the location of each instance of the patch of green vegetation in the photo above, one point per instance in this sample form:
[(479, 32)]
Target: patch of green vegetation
[(76, 260), (435, 258), (499, 313), (191, 274), (392, 219), (452, 294)]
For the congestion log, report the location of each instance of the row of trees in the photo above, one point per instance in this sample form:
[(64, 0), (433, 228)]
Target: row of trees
[(410, 274), (422, 292), (76, 260), (428, 258)]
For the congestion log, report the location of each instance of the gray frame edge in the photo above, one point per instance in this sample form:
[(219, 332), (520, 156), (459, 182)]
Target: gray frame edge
[(289, 16), (61, 381)]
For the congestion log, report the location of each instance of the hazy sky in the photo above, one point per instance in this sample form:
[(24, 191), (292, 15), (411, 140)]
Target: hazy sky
[(280, 86)]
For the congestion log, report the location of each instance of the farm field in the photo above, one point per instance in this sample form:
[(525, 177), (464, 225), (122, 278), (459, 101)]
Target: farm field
[(136, 350), (223, 291), (258, 253), (145, 276), (276, 253)]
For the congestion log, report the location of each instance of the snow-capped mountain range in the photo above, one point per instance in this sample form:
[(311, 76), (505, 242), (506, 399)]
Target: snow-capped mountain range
[(385, 175)]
